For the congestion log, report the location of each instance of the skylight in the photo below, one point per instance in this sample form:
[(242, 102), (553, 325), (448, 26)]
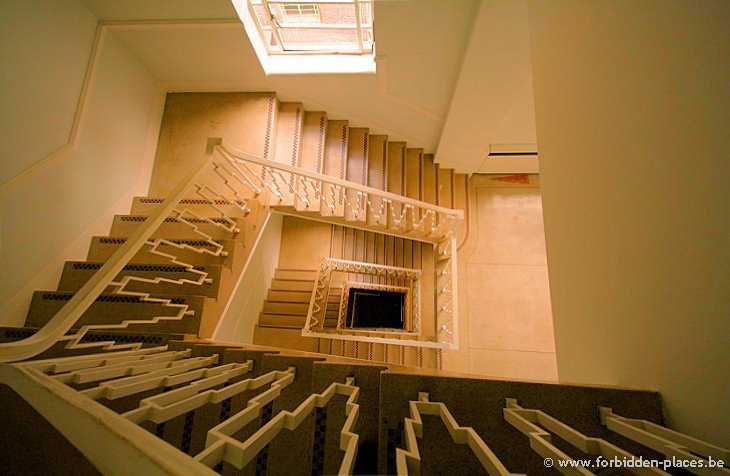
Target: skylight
[(319, 36)]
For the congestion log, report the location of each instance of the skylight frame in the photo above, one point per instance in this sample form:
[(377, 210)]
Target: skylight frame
[(364, 31)]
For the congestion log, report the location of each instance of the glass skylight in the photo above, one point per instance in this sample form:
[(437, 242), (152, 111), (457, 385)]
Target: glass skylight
[(314, 27)]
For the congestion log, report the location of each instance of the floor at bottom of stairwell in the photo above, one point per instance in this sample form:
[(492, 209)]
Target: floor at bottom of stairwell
[(509, 327)]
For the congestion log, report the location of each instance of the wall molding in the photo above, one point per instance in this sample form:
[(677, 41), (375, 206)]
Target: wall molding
[(79, 115), (102, 27)]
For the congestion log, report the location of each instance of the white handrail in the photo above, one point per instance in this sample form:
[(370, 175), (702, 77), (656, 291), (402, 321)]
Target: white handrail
[(97, 431), (408, 461), (70, 313), (668, 442), (57, 327), (539, 427), (217, 143)]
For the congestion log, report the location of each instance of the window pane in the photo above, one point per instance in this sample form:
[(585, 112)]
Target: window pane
[(287, 18), (337, 13), (327, 38), (261, 15), (300, 13)]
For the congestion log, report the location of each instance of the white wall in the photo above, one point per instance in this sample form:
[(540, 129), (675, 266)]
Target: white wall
[(242, 312), (420, 47), (50, 217), (633, 113), (492, 101), (44, 49)]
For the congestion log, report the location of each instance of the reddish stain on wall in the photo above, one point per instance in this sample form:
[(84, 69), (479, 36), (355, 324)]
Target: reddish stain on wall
[(522, 178)]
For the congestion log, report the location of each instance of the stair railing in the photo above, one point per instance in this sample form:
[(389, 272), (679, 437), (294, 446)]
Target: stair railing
[(401, 278), (436, 335), (215, 182), (371, 209), (309, 191), (231, 178)]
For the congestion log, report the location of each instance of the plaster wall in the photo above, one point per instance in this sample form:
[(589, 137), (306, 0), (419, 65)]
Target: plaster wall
[(632, 109), (50, 217), (44, 49)]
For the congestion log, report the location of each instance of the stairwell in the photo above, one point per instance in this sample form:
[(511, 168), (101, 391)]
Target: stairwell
[(143, 362), (163, 281), (290, 135)]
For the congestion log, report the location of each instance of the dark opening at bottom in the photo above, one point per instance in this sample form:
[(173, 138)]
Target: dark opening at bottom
[(375, 308)]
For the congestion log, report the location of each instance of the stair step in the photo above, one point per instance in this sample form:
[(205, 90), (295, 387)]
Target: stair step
[(348, 348), (445, 187), (377, 177), (287, 150), (295, 274), (291, 285), (430, 358), (282, 320), (330, 322), (356, 172), (76, 273), (293, 308), (103, 247), (289, 123), (289, 296), (114, 308), (396, 176), (429, 179), (335, 156), (125, 225), (314, 136), (285, 338), (148, 339), (414, 169), (378, 352), (335, 164)]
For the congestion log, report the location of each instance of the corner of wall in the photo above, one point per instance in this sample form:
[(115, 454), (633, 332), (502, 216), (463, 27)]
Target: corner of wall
[(240, 315)]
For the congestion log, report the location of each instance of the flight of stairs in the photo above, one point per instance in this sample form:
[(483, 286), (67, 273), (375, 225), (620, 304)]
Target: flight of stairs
[(311, 140), (285, 310), (199, 389), (295, 137), (388, 390), (176, 284)]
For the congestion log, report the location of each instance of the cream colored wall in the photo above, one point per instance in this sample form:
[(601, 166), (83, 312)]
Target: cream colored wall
[(44, 49), (506, 322), (50, 217), (492, 101), (632, 108), (240, 316), (304, 243), (408, 99)]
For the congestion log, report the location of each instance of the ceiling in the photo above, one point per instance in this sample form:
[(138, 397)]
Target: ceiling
[(452, 76), (118, 10)]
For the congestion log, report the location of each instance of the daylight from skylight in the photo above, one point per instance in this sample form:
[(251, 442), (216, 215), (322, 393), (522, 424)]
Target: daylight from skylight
[(327, 36)]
